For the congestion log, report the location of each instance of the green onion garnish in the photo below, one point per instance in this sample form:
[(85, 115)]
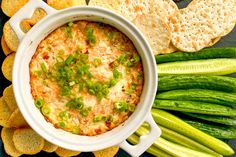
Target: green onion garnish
[(121, 106), (64, 115), (39, 103), (90, 36), (45, 110), (44, 67), (69, 59), (61, 124), (97, 118)]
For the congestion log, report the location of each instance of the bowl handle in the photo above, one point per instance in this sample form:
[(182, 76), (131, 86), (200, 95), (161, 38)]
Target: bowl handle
[(145, 141), (26, 12)]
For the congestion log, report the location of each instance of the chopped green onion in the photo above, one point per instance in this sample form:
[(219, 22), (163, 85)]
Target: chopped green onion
[(76, 130), (133, 61), (61, 124), (98, 118), (123, 58), (131, 108), (39, 103), (116, 73), (84, 113), (72, 83), (70, 24), (121, 106), (45, 110), (112, 83), (69, 60), (64, 115), (90, 36), (109, 118), (76, 103), (97, 62), (44, 67)]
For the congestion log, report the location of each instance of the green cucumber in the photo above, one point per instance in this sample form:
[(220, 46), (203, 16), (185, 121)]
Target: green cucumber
[(207, 53), (172, 82), (202, 95), (217, 119), (185, 141), (194, 107), (134, 139), (174, 123), (218, 131), (219, 66), (173, 148)]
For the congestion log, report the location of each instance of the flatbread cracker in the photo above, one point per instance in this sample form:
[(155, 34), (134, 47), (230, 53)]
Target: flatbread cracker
[(27, 141), (194, 27), (16, 120), (108, 152), (108, 4), (49, 147), (9, 98), (65, 3), (25, 26), (65, 153), (5, 113), (7, 135), (10, 37), (156, 31), (10, 7), (7, 66), (5, 48)]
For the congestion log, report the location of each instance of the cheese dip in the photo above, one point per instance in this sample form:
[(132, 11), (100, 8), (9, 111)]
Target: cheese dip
[(86, 77)]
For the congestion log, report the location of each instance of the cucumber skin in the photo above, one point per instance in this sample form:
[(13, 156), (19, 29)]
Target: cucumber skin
[(221, 132), (174, 123), (172, 82), (185, 141), (195, 107), (209, 67), (207, 53), (201, 95), (212, 118)]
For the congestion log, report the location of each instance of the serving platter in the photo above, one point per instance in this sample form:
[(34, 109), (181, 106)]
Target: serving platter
[(227, 41)]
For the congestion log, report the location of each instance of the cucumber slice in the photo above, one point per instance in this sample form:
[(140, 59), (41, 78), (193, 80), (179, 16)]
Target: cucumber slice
[(220, 66), (208, 53)]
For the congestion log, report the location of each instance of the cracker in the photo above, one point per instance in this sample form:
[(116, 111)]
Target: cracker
[(65, 3), (194, 27), (108, 4), (37, 16), (16, 120), (27, 141), (5, 48), (214, 41), (108, 152), (65, 153), (7, 66), (25, 26), (7, 135), (171, 48), (9, 98), (156, 31), (10, 37), (10, 7), (5, 113), (49, 147)]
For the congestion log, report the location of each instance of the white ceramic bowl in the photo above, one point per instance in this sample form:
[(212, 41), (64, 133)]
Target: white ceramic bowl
[(22, 89)]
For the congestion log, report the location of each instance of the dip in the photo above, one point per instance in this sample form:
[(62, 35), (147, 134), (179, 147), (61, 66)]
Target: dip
[(86, 78)]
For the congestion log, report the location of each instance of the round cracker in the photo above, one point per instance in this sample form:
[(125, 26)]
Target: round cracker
[(65, 3), (7, 66), (25, 26), (49, 147), (37, 16), (10, 7), (27, 141), (214, 41), (108, 152), (9, 98), (194, 27), (170, 49), (65, 152), (10, 37), (16, 120), (156, 31), (5, 113), (5, 48), (7, 135)]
